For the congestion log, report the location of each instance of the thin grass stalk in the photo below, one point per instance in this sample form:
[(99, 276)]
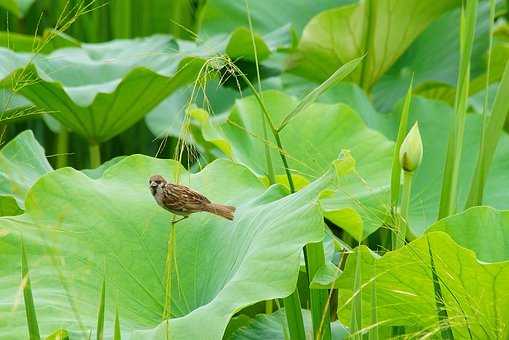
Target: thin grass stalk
[(100, 313), (319, 297), (268, 156), (62, 147), (31, 315), (452, 166), (95, 155), (491, 137)]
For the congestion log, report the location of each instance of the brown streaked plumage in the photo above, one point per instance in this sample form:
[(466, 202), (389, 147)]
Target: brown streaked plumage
[(183, 201)]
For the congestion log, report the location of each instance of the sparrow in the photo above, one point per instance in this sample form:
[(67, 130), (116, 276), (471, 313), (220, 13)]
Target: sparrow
[(183, 201)]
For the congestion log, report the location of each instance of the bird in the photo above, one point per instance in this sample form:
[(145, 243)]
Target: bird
[(183, 201)]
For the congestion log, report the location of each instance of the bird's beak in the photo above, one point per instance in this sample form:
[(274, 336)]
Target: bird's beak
[(153, 184)]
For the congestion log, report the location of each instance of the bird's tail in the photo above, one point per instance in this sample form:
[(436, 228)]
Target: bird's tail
[(225, 211)]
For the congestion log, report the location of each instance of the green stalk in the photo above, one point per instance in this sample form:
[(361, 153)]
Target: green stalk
[(452, 165), (62, 147), (121, 18), (319, 311), (33, 326), (268, 157), (294, 316), (95, 155), (399, 240), (267, 119), (477, 185), (491, 137)]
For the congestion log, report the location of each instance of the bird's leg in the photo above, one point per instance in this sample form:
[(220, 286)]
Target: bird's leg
[(183, 218)]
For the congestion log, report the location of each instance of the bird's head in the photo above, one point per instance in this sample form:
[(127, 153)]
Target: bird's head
[(156, 182)]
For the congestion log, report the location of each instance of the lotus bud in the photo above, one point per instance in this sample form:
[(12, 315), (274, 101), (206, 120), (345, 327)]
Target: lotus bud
[(410, 153)]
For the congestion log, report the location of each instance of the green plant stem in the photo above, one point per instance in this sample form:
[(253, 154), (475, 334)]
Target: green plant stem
[(294, 316), (449, 193), (319, 311), (268, 159), (405, 202), (33, 326), (399, 238), (95, 155), (62, 147), (285, 162), (477, 186)]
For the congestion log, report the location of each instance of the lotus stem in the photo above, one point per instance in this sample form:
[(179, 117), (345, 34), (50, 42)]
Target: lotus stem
[(95, 155), (62, 148)]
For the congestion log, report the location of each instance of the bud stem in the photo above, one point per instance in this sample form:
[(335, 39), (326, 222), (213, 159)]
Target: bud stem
[(401, 231)]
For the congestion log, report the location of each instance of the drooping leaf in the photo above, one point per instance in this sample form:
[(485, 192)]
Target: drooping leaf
[(218, 266)]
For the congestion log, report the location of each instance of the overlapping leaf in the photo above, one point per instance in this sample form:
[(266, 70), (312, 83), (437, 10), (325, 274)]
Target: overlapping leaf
[(473, 292)]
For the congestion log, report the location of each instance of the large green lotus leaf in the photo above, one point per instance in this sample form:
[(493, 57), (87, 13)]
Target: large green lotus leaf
[(18, 7), (79, 230), (474, 293), (22, 162), (311, 141), (220, 16), (337, 36), (481, 229), (434, 118), (271, 326), (99, 90)]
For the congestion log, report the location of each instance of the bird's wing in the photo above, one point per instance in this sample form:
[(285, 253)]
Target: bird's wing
[(181, 198)]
